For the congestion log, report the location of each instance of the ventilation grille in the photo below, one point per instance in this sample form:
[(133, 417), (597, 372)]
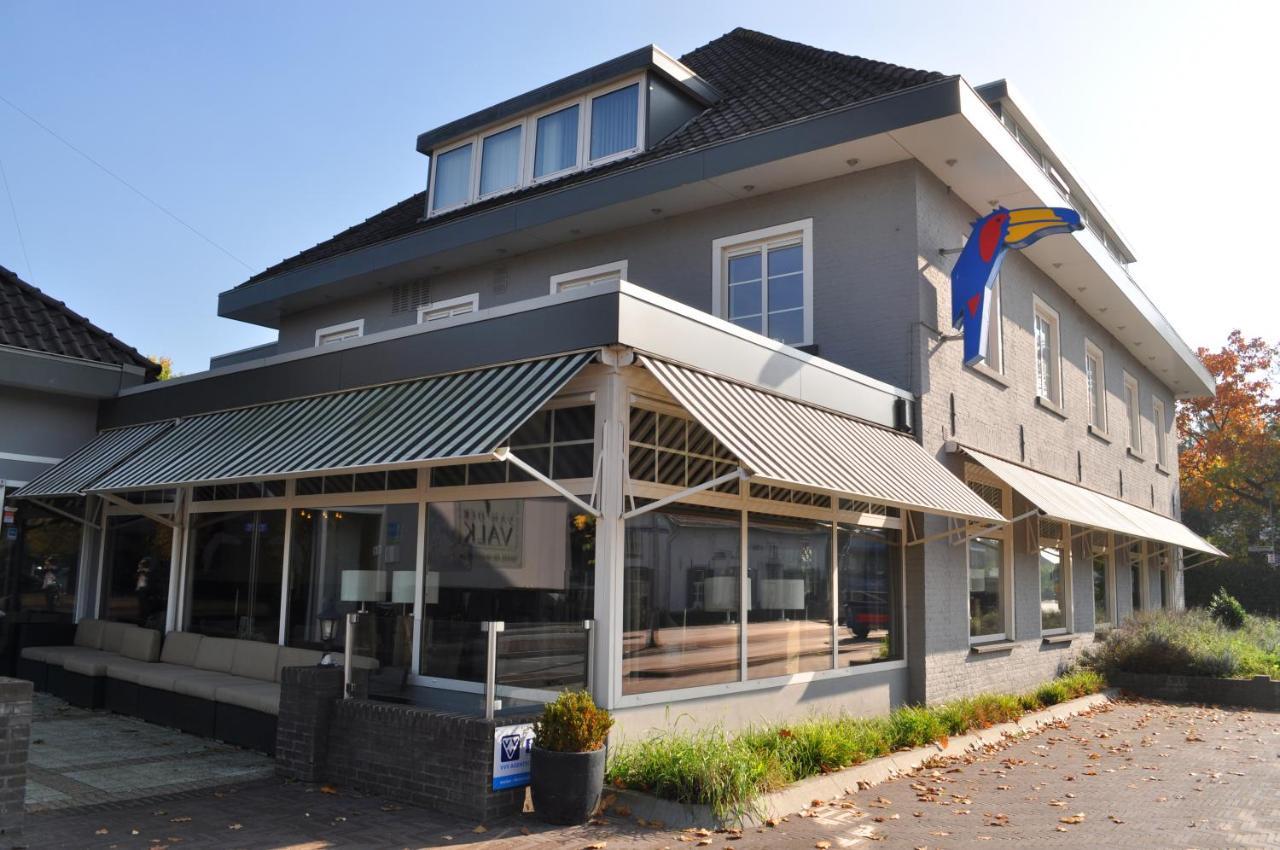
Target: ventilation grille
[(408, 297), (1050, 531)]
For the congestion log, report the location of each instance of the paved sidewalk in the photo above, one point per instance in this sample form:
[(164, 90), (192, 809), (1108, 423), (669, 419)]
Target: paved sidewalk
[(1137, 775)]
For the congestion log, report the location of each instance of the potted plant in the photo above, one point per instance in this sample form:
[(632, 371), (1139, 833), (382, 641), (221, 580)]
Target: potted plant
[(566, 765)]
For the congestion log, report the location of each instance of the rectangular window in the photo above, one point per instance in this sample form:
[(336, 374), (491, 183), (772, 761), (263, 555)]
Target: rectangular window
[(529, 563), (986, 588), (451, 185), (1162, 439), (604, 273), (869, 581), (42, 560), (135, 586), (1101, 586), (500, 161), (1053, 589), (339, 333), (236, 563), (1095, 379), (615, 122), (1133, 412), (1136, 574), (1048, 358), (556, 142), (789, 612), (448, 308), (764, 281)]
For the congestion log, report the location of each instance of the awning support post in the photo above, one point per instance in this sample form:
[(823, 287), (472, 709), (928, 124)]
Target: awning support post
[(505, 454), (737, 474), (139, 509), (67, 514)]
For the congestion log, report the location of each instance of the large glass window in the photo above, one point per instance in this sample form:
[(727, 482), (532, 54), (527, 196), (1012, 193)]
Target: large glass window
[(355, 558), (681, 599), (1053, 589), (235, 568), (869, 564), (1136, 573), (1101, 591), (614, 118), (500, 161), (136, 571), (528, 563), (986, 587), (789, 618), (40, 560), (556, 142), (452, 178), (766, 291)]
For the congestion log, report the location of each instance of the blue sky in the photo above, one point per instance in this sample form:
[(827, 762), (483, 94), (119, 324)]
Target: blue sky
[(271, 126)]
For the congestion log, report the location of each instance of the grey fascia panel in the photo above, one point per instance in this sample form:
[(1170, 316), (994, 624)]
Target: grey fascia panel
[(646, 58), (927, 102), (70, 376)]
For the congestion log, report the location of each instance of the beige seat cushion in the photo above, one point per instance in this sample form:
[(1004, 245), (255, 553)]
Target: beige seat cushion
[(216, 654), (129, 669), (180, 648), (205, 683), (113, 635), (141, 644), (57, 655), (292, 656), (163, 677), (261, 696), (255, 660), (363, 662), (87, 665), (89, 633)]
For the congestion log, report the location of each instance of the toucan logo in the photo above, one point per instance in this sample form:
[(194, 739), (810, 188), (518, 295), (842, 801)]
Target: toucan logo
[(975, 271)]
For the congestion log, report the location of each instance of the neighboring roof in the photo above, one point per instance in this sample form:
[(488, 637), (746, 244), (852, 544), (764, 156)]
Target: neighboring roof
[(32, 320), (763, 81)]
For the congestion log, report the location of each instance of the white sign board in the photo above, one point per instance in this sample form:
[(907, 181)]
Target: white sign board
[(511, 748)]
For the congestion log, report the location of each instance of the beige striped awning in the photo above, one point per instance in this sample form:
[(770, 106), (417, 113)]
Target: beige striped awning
[(789, 442)]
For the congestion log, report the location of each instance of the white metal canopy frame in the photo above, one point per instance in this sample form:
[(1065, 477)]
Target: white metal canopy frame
[(1080, 506), (788, 442)]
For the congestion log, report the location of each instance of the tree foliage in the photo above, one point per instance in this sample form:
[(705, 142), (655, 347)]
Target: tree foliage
[(166, 366)]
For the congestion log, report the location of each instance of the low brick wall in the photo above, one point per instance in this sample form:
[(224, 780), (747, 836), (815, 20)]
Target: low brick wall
[(15, 743), (414, 755), (1260, 692)]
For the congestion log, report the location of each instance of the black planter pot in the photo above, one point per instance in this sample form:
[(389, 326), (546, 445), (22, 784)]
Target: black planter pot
[(566, 786)]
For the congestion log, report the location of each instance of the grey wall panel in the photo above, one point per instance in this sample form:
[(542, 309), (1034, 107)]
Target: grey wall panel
[(42, 423)]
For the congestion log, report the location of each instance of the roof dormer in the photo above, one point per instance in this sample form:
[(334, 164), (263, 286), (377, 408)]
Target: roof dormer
[(609, 112)]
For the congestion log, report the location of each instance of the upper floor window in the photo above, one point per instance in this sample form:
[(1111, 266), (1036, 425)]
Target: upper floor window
[(1048, 357), (593, 128), (447, 309), (1133, 412), (1095, 379), (606, 273), (1157, 417), (995, 332), (340, 333), (763, 281)]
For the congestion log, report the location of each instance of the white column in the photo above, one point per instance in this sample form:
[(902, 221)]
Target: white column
[(612, 413)]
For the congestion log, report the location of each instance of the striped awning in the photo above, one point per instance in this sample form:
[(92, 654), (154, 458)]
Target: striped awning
[(780, 440), (73, 475), (1087, 508), (461, 416)]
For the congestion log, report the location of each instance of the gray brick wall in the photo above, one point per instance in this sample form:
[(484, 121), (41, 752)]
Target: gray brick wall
[(15, 744), (302, 726)]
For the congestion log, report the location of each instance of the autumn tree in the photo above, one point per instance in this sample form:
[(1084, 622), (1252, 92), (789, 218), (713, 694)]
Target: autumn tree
[(166, 367), (1230, 445)]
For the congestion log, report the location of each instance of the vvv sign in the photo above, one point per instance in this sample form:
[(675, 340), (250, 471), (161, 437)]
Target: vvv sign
[(975, 271)]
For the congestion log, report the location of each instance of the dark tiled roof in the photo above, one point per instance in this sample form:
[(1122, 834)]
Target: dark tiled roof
[(32, 320), (764, 82)]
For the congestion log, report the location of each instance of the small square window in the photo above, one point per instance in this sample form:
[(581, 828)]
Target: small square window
[(339, 333), (607, 272), (448, 308), (764, 281)]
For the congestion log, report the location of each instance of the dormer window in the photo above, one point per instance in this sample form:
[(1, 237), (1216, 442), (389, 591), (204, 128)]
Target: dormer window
[(588, 130)]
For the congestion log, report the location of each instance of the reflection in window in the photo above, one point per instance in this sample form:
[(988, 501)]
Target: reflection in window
[(136, 571), (1101, 593), (681, 599), (1053, 598), (869, 562), (529, 563), (1135, 573), (986, 571), (40, 562), (789, 612), (235, 567), (346, 559)]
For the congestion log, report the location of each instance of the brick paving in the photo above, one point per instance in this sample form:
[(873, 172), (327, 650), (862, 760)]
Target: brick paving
[(1135, 775)]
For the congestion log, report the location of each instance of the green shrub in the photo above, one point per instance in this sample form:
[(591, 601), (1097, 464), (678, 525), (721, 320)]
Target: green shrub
[(1190, 643), (1226, 609), (572, 724)]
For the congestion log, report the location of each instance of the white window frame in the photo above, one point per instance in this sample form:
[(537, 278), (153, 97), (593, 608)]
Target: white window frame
[(778, 236), (1133, 414), (356, 325), (617, 270), (1098, 397), (1063, 545), (995, 330), (1005, 535), (449, 308), (585, 101), (1108, 577), (1043, 312), (1158, 419)]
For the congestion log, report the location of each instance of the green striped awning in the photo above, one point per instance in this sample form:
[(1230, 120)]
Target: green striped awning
[(73, 475), (465, 415)]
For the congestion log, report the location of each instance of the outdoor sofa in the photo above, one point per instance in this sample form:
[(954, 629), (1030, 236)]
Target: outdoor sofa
[(210, 686)]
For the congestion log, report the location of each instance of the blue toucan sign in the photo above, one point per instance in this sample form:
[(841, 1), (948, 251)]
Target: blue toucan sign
[(975, 271)]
